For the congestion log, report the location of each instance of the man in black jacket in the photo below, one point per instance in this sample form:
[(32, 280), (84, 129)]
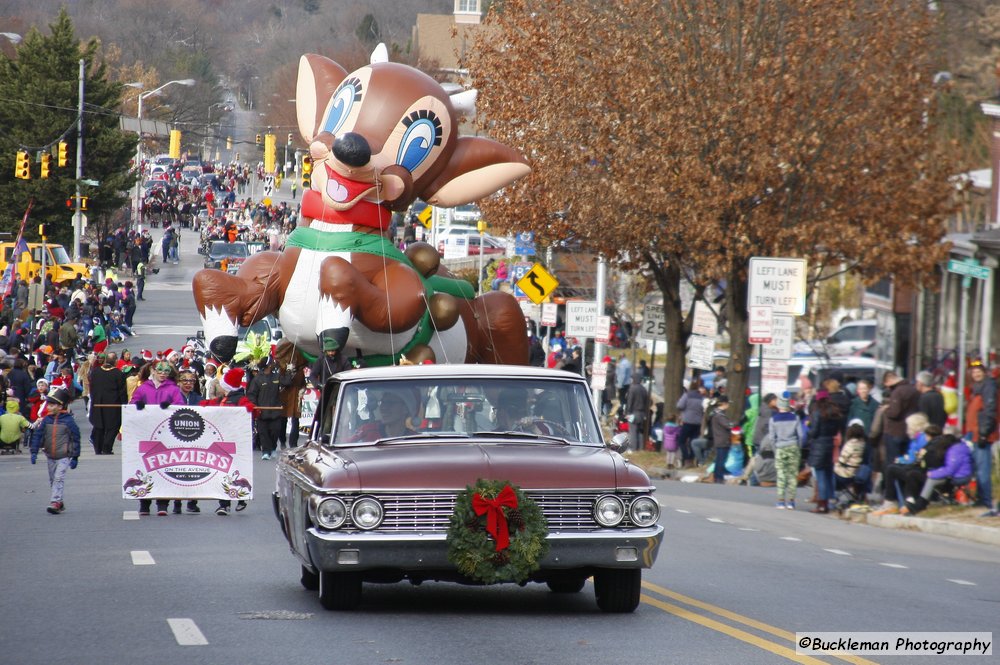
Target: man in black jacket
[(931, 402), (265, 393)]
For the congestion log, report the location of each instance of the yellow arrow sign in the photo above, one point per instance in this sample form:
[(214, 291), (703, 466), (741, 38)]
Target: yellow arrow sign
[(537, 283), (425, 216)]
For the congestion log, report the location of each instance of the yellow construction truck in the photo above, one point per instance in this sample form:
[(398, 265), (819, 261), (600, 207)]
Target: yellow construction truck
[(58, 264)]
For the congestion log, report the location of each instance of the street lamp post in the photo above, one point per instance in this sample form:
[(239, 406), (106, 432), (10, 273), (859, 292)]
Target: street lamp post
[(206, 155), (138, 147)]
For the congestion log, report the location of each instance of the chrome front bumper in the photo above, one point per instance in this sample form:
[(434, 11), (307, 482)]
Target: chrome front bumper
[(606, 548)]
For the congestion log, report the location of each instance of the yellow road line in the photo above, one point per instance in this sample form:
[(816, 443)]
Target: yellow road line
[(746, 621), (741, 635)]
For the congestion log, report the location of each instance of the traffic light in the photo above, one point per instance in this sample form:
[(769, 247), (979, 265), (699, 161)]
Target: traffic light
[(270, 150), (175, 144), (229, 143), (43, 230), (63, 158), (83, 203), (307, 168), (289, 141), (23, 168), (258, 139), (45, 164)]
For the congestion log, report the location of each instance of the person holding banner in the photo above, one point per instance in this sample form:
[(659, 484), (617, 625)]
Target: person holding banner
[(161, 390), (232, 384)]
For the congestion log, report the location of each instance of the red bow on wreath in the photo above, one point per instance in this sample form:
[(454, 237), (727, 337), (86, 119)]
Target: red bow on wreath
[(496, 521)]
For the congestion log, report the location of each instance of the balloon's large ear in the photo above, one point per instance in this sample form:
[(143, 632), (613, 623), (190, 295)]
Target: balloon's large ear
[(477, 168), (317, 81)]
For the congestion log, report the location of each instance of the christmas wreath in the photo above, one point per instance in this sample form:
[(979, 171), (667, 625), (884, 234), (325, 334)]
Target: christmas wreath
[(496, 534)]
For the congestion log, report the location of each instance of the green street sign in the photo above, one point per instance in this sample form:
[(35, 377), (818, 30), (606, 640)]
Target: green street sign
[(969, 269)]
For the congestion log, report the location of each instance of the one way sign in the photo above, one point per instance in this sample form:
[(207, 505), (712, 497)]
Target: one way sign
[(537, 283)]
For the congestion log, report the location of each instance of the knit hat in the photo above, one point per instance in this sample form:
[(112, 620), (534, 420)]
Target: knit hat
[(39, 382), (13, 406), (784, 404), (232, 380), (330, 344)]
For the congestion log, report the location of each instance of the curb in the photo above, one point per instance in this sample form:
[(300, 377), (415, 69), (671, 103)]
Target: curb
[(980, 534)]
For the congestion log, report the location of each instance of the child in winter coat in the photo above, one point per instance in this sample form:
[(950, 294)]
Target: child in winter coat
[(671, 431), (59, 434), (12, 424)]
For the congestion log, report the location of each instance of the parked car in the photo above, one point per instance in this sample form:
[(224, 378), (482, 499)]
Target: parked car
[(850, 338), (359, 504), (817, 368), (232, 254), (490, 245), (269, 326)]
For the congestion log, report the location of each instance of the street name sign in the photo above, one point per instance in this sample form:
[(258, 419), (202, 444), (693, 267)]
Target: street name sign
[(777, 283), (654, 324), (537, 283), (581, 319), (969, 269), (760, 325)]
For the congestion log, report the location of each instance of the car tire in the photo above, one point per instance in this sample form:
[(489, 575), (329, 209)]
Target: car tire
[(617, 590), (309, 579), (566, 584), (339, 591)]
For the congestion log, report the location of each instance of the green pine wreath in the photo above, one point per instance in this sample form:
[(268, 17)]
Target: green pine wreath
[(473, 551)]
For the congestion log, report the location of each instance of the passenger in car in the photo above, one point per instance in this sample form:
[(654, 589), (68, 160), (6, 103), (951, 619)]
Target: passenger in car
[(511, 407), (394, 408)]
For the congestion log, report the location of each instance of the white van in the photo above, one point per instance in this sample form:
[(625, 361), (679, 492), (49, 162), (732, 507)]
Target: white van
[(846, 340), (817, 369)]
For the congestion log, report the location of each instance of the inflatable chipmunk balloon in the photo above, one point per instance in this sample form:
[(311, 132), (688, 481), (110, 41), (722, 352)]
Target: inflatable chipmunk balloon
[(379, 138)]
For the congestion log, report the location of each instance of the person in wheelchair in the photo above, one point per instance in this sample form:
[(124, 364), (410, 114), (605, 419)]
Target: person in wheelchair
[(954, 470)]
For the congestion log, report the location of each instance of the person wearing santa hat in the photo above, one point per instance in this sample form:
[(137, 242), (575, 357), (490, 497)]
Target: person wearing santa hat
[(232, 384)]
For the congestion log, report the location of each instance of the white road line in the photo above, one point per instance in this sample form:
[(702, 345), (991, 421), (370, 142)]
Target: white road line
[(746, 528), (893, 565), (142, 558), (963, 582), (681, 510), (715, 520), (840, 552), (130, 515), (186, 632), (792, 539)]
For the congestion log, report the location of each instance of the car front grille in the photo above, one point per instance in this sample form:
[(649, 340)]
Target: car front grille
[(430, 512)]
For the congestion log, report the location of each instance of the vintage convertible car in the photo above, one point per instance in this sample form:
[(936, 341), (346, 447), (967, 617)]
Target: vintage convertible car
[(371, 495)]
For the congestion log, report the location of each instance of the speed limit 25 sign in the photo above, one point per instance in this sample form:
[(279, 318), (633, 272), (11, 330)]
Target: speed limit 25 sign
[(654, 324)]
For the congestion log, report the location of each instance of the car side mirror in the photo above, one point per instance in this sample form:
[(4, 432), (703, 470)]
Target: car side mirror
[(618, 441), (199, 334), (277, 334)]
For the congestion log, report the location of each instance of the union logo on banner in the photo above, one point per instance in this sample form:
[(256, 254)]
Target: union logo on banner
[(187, 453)]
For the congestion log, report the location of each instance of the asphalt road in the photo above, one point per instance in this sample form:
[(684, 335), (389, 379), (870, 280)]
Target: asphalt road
[(734, 581)]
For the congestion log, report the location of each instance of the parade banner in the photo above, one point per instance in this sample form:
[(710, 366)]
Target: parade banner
[(187, 452)]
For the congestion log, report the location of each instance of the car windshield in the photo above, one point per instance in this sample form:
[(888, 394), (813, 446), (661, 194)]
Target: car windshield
[(381, 411), (259, 327), (59, 254), (237, 250)]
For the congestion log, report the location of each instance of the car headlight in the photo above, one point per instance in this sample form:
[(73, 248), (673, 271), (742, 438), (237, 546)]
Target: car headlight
[(644, 511), (366, 513), (609, 510), (331, 513)]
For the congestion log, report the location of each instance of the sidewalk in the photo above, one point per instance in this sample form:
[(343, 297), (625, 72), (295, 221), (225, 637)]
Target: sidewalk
[(955, 521)]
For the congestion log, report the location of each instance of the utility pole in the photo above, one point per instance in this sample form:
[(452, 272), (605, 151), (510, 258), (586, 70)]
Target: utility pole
[(77, 216)]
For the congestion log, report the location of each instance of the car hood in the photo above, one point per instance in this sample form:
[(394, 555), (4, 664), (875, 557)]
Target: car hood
[(452, 466)]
